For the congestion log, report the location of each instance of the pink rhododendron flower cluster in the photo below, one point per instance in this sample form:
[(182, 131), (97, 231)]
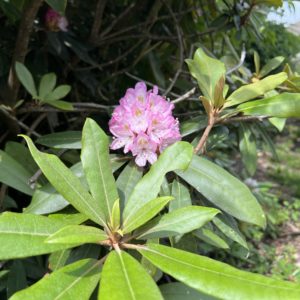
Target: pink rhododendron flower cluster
[(143, 124), (55, 22)]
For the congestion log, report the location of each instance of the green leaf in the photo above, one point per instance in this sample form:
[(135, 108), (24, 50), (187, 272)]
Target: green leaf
[(21, 154), (210, 238), (256, 62), (58, 93), (47, 85), (180, 221), (97, 168), (61, 140), (271, 65), (66, 183), (193, 125), (77, 234), (254, 90), (124, 278), (279, 123), (228, 226), (23, 235), (181, 194), (224, 190), (216, 278), (75, 281), (14, 174), (285, 105), (145, 213), (63, 105), (179, 291), (248, 149), (207, 71), (116, 215), (58, 259), (127, 180), (46, 200), (58, 5), (26, 79), (149, 186)]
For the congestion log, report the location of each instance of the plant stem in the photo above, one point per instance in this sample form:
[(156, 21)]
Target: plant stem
[(211, 122)]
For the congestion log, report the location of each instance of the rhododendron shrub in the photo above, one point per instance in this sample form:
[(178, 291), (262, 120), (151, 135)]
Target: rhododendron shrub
[(143, 124)]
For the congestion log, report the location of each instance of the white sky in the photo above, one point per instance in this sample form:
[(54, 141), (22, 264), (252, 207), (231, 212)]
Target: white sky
[(289, 16)]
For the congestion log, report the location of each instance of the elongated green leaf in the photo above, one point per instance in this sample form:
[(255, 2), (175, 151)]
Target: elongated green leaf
[(211, 238), (148, 187), (61, 140), (207, 71), (46, 200), (14, 174), (47, 84), (224, 190), (58, 259), (285, 105), (124, 278), (271, 65), (66, 183), (75, 281), (180, 221), (256, 62), (58, 93), (97, 168), (228, 226), (21, 154), (248, 148), (218, 279), (145, 213), (26, 79), (254, 90), (193, 125), (63, 105), (115, 221), (181, 196), (127, 181), (179, 291), (279, 123), (77, 234), (23, 235)]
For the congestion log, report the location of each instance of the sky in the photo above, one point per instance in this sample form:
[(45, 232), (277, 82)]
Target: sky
[(289, 16)]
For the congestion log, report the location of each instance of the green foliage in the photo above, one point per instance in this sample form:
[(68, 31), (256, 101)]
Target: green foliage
[(47, 93), (104, 216)]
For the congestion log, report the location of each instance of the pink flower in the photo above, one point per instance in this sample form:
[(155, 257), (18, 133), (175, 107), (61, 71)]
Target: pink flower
[(143, 124), (55, 22)]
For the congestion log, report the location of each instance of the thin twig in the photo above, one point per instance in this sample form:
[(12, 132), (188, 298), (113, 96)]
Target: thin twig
[(21, 47), (117, 19), (97, 19), (242, 59), (187, 95), (20, 123), (181, 50)]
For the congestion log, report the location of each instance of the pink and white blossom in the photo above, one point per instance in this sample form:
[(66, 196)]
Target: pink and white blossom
[(143, 124), (56, 22)]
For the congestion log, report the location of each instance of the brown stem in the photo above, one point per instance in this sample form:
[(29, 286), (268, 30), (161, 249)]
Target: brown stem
[(21, 47), (97, 20), (211, 122)]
